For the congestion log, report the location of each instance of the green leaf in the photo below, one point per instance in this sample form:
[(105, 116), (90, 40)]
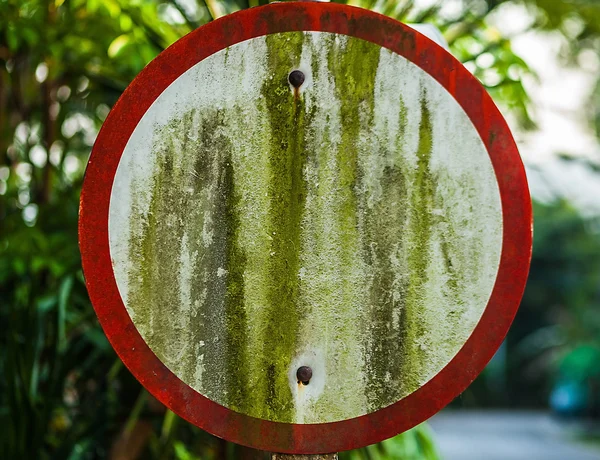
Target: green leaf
[(182, 453), (12, 38), (97, 338), (125, 22), (136, 412), (46, 303), (63, 298), (117, 45), (30, 35)]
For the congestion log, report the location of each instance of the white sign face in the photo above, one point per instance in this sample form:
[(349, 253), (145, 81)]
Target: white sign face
[(353, 225)]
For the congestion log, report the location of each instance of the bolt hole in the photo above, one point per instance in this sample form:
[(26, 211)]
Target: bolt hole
[(304, 374), (296, 78)]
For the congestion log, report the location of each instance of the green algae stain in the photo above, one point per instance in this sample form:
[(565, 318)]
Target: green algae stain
[(386, 321), (397, 232), (287, 118), (235, 313), (422, 200), (193, 202), (384, 229), (213, 145), (154, 308), (354, 70)]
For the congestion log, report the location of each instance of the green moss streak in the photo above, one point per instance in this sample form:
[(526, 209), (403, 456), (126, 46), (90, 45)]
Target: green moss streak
[(235, 311), (155, 308), (287, 118), (422, 196), (458, 264), (454, 290), (384, 238), (196, 198), (354, 69), (214, 173), (203, 168)]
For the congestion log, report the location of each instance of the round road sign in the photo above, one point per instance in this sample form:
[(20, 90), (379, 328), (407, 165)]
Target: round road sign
[(305, 227)]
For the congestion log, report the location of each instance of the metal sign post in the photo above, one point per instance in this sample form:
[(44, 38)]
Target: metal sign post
[(305, 228)]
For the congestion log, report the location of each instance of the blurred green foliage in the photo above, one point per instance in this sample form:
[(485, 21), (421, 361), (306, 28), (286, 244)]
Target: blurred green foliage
[(555, 338), (63, 63), (560, 323)]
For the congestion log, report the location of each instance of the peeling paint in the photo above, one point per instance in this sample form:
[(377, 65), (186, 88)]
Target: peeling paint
[(347, 225)]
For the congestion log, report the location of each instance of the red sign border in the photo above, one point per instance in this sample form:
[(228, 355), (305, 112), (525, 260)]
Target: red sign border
[(307, 438)]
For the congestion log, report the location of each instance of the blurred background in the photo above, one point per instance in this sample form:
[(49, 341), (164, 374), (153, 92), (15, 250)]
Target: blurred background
[(63, 392)]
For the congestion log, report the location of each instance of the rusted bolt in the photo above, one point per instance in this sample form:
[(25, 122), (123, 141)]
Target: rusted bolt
[(296, 78), (304, 374)]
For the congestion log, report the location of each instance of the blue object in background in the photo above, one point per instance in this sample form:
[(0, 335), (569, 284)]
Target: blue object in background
[(570, 398)]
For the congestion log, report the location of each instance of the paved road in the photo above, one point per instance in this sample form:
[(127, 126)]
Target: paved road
[(511, 435)]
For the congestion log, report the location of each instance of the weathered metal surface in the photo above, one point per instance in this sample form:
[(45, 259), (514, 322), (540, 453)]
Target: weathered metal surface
[(370, 221)]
